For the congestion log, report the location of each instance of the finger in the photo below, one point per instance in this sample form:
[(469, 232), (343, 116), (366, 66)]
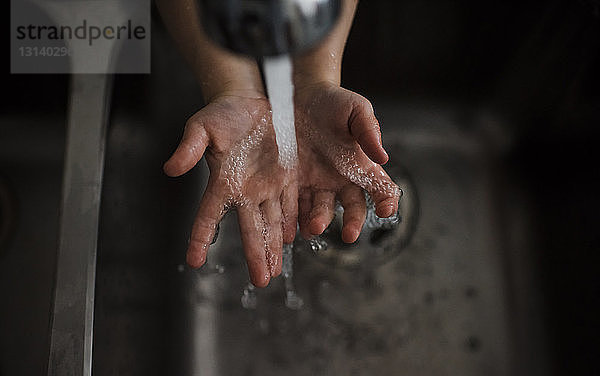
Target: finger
[(304, 206), (251, 228), (384, 193), (365, 129), (271, 210), (190, 149), (289, 206), (355, 212), (209, 215), (322, 212)]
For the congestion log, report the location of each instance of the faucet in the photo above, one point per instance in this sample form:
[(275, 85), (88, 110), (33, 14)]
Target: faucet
[(262, 28)]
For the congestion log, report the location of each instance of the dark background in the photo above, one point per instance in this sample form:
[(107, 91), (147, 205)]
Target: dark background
[(537, 63)]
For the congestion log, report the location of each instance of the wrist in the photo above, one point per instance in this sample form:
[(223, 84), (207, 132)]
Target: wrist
[(308, 74), (308, 87), (242, 92), (248, 87), (220, 73)]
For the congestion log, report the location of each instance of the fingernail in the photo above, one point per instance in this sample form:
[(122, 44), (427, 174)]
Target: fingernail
[(262, 281), (387, 156), (350, 236), (386, 211), (319, 227)]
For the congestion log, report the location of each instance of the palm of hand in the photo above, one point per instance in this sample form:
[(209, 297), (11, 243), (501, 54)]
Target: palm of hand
[(330, 123), (242, 156)]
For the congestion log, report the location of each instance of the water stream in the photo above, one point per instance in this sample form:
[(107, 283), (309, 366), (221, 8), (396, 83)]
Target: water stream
[(278, 79), (280, 89)]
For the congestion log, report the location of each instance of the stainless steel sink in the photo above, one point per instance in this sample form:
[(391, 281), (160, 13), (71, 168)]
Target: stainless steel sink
[(456, 299), (442, 305)]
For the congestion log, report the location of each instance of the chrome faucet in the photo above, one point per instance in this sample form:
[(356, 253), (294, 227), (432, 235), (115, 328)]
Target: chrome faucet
[(268, 27)]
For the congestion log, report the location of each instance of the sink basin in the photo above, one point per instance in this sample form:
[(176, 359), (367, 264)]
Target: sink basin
[(455, 299), (442, 304)]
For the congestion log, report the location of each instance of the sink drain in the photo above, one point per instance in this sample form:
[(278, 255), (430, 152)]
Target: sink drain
[(380, 239)]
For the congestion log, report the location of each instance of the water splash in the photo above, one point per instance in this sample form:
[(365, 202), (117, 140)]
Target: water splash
[(235, 166), (292, 300), (372, 221), (249, 300), (347, 159), (278, 80), (317, 244)]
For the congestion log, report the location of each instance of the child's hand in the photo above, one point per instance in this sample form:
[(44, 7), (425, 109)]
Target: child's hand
[(339, 148), (237, 135)]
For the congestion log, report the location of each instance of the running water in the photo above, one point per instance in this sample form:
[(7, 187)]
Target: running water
[(278, 79)]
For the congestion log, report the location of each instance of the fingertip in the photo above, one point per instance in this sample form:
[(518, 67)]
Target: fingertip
[(170, 169), (305, 234), (185, 157), (372, 146), (384, 157), (288, 236), (317, 227), (276, 273), (259, 273), (386, 210), (195, 259), (350, 234), (380, 156), (276, 269), (177, 165), (260, 280)]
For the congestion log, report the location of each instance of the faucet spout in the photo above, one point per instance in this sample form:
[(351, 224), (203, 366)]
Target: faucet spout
[(268, 27)]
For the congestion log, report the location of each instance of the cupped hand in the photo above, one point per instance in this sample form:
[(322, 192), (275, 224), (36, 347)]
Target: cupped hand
[(340, 152), (236, 135)]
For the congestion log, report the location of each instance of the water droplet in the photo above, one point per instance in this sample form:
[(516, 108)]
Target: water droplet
[(317, 244), (293, 301), (249, 300)]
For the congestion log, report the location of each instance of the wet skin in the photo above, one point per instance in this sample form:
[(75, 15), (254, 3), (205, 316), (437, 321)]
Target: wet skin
[(236, 136), (339, 151)]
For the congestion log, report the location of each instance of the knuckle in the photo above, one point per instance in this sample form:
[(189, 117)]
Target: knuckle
[(362, 103), (203, 231), (199, 242), (191, 123), (366, 104), (320, 206), (372, 129), (355, 207)]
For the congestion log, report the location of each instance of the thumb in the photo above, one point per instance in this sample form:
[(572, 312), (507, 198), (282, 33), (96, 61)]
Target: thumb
[(190, 150), (364, 127)]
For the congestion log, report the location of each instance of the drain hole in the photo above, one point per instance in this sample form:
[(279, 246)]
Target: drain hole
[(376, 244)]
